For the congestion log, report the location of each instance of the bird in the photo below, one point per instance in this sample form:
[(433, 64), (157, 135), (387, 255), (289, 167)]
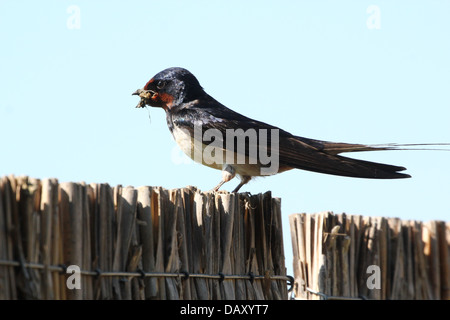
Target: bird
[(195, 118)]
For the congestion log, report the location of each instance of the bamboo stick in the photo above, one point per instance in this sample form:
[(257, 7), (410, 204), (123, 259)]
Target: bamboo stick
[(322, 254), (48, 205), (225, 204), (443, 234), (238, 248), (144, 215), (57, 249), (445, 255), (298, 259), (277, 245), (359, 255), (343, 245), (134, 263), (105, 219), (11, 229), (326, 237), (426, 290), (383, 252), (126, 219), (181, 236), (26, 194), (211, 240), (266, 263), (201, 291), (70, 204), (158, 218), (409, 243), (117, 245), (87, 226), (4, 285), (265, 255), (312, 283), (249, 250), (22, 213), (398, 258), (254, 262), (431, 251), (184, 228), (7, 285), (171, 259)]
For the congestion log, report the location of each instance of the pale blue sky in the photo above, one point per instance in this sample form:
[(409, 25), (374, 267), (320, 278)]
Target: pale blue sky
[(313, 68)]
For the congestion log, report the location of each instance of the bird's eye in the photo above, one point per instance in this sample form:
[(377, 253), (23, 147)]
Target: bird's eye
[(161, 84)]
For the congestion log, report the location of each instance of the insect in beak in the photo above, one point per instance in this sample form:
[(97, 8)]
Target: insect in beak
[(146, 96)]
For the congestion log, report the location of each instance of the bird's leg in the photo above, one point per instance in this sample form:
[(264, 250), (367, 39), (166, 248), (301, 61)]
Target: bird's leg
[(244, 180), (216, 188), (228, 173)]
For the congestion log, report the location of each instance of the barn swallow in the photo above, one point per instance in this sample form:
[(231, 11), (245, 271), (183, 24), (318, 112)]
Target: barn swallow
[(188, 107)]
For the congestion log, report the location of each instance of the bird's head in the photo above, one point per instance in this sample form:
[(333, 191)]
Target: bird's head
[(169, 88)]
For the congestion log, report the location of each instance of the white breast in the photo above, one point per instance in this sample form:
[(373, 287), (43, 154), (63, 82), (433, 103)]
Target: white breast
[(186, 143)]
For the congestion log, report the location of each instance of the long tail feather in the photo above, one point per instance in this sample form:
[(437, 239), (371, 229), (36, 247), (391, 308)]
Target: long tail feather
[(324, 157), (336, 148)]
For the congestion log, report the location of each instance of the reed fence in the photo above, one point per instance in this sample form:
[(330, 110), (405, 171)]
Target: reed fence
[(340, 256), (138, 243), (154, 243)]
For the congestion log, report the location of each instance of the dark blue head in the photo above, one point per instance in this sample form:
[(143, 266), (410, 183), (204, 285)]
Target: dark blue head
[(170, 88)]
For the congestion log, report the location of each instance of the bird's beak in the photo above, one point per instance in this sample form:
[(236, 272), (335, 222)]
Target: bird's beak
[(137, 92), (142, 103)]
